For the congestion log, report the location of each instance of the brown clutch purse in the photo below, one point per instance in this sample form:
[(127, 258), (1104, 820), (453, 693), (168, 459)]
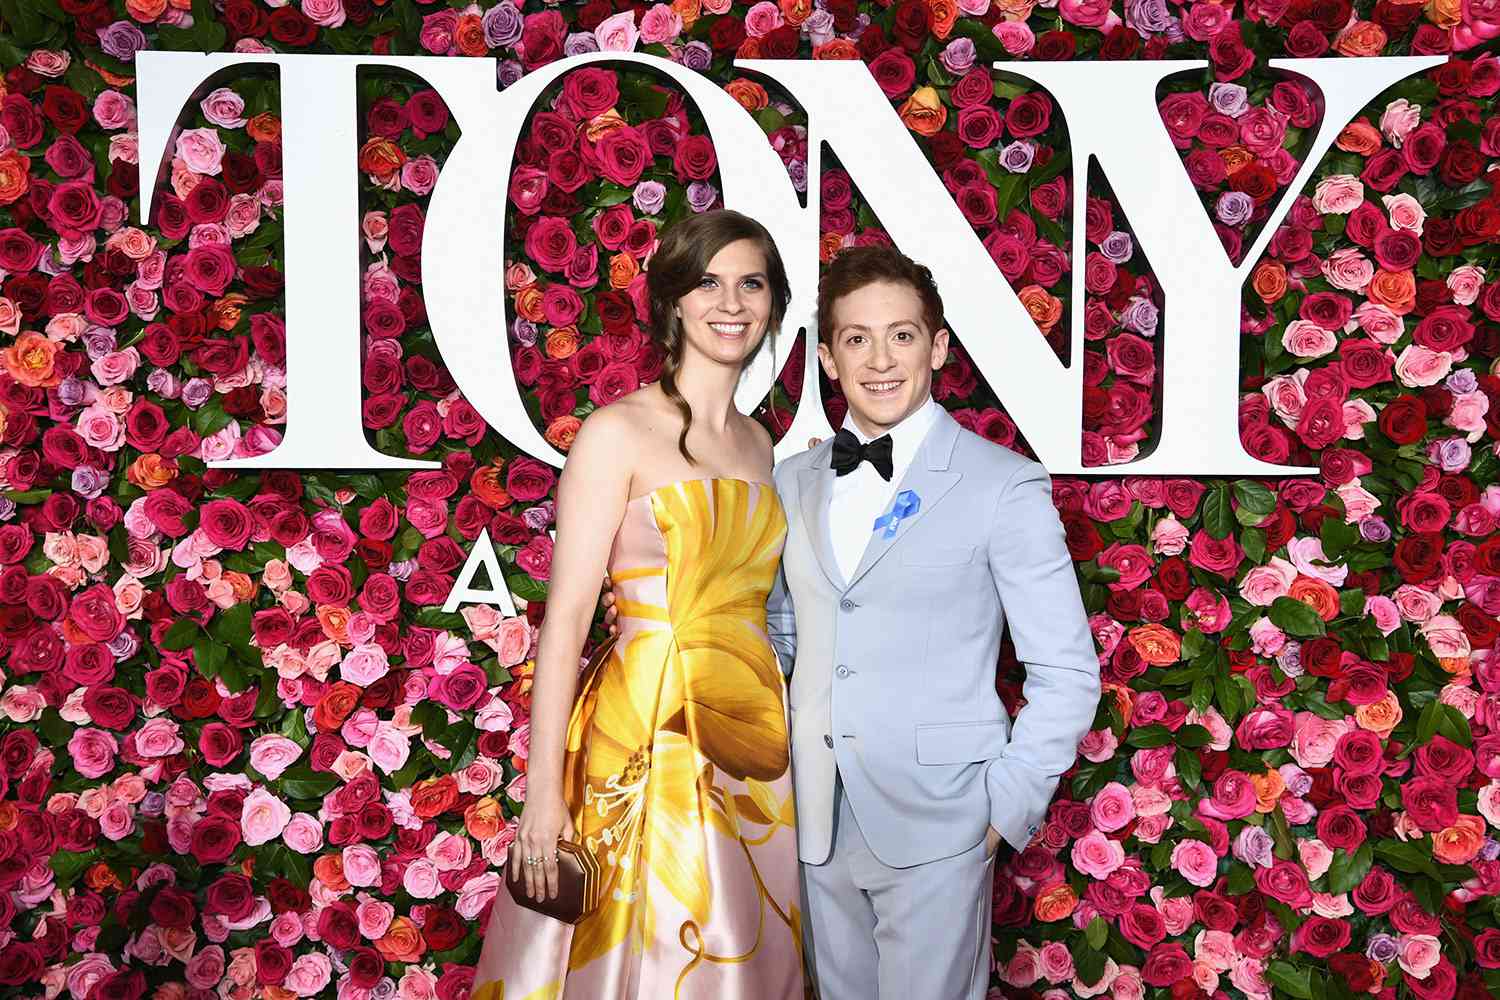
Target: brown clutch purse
[(578, 883), (579, 880)]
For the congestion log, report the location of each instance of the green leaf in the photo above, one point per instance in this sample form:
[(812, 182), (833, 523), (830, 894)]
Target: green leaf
[(1218, 519), (1336, 537), (1147, 737), (1193, 737), (432, 717), (1347, 869), (305, 783), (1413, 857), (526, 588), (1255, 497), (1088, 961), (1296, 619), (31, 21), (1096, 933), (1293, 979), (1189, 768), (210, 657), (26, 496), (1253, 541), (68, 865)]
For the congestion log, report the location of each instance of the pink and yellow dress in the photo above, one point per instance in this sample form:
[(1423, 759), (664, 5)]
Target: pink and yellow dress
[(677, 775)]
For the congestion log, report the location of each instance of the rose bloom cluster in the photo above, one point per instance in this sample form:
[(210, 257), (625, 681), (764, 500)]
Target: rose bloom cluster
[(243, 752)]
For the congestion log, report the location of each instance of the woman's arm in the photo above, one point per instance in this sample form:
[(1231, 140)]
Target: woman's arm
[(591, 499)]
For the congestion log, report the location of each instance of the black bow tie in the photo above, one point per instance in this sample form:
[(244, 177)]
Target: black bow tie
[(848, 453)]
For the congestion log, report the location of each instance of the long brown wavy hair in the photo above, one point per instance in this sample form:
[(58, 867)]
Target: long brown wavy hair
[(681, 259)]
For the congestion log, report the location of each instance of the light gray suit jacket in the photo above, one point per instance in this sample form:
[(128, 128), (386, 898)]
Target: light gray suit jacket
[(893, 671)]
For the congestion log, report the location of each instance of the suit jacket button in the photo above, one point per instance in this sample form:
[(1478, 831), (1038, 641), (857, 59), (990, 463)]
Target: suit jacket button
[(846, 604), (842, 670), (828, 740)]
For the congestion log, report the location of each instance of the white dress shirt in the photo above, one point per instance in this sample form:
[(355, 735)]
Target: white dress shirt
[(861, 496)]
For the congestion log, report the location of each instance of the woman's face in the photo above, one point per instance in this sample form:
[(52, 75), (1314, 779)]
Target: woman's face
[(725, 317)]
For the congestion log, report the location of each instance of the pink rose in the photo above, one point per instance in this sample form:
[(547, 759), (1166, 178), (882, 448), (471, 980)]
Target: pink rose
[(361, 865), (159, 737), (1195, 861), (1263, 584), (92, 752), (200, 150), (263, 817), (514, 641), (1421, 366), (1338, 194), (1314, 739), (1112, 807), (421, 879), (617, 33), (1308, 340), (224, 107), (1056, 962), (389, 748), (1024, 967), (309, 974), (1097, 855), (374, 917), (1418, 954), (1285, 881), (364, 665), (271, 754), (303, 834)]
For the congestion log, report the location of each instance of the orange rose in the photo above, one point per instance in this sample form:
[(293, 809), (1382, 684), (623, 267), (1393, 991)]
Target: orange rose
[(749, 49), (1124, 698), (264, 127), (434, 796), (688, 10), (113, 79), (488, 485), (622, 270), (1156, 644), (529, 304), (924, 112), (1056, 903), (101, 877), (562, 342), (1235, 158), (240, 585), (603, 122), (1455, 664), (838, 48), (1361, 38), (1044, 307), (276, 993), (1268, 788), (145, 11), (10, 815), (829, 244), (1269, 280), (402, 942), (15, 176), (796, 11), (151, 471), (31, 361), (337, 704), (1445, 13), (944, 14), (381, 158), (1316, 594), (483, 819), (562, 431), (329, 869), (1460, 843), (335, 623), (748, 94), (226, 311), (1359, 137), (1381, 717), (1396, 290), (468, 39)]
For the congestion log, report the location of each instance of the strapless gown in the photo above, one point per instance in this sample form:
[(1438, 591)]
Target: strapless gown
[(676, 774)]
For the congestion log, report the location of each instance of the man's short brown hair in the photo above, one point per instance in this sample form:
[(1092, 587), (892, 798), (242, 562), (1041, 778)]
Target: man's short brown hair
[(857, 267)]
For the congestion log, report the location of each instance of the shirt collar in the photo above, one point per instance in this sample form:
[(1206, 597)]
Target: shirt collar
[(906, 437)]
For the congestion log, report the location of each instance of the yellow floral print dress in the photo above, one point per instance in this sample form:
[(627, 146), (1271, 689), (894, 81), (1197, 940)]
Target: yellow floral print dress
[(677, 774)]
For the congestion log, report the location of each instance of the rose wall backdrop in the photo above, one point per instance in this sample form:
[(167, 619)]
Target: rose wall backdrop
[(244, 753)]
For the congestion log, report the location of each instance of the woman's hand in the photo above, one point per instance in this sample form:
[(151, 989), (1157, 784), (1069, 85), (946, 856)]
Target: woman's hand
[(544, 819)]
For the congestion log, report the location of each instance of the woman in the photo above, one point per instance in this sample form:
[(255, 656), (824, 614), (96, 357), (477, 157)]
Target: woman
[(672, 767)]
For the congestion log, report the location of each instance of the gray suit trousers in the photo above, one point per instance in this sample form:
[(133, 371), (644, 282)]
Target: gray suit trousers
[(918, 933)]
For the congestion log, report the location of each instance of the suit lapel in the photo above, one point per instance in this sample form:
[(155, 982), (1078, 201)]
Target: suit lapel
[(815, 487), (929, 477)]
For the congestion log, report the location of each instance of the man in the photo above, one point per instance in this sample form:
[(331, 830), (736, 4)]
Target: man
[(911, 542)]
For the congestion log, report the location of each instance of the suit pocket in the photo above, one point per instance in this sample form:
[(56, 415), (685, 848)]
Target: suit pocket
[(961, 742), (937, 555)]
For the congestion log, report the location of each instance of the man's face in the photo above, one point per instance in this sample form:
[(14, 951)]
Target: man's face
[(882, 354)]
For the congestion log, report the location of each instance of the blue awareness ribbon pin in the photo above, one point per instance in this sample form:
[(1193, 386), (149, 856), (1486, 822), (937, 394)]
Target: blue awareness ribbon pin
[(907, 503)]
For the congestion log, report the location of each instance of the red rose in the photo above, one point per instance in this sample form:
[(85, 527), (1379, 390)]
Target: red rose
[(215, 838), (1143, 926), (427, 112), (911, 25), (1166, 964), (1431, 803), (366, 967), (1419, 556), (1321, 936), (444, 929), (290, 26), (1341, 828), (694, 158), (623, 155), (1481, 628), (272, 962), (1487, 948), (231, 895), (1029, 115), (1404, 420), (1440, 982), (64, 108), (590, 91), (219, 744)]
